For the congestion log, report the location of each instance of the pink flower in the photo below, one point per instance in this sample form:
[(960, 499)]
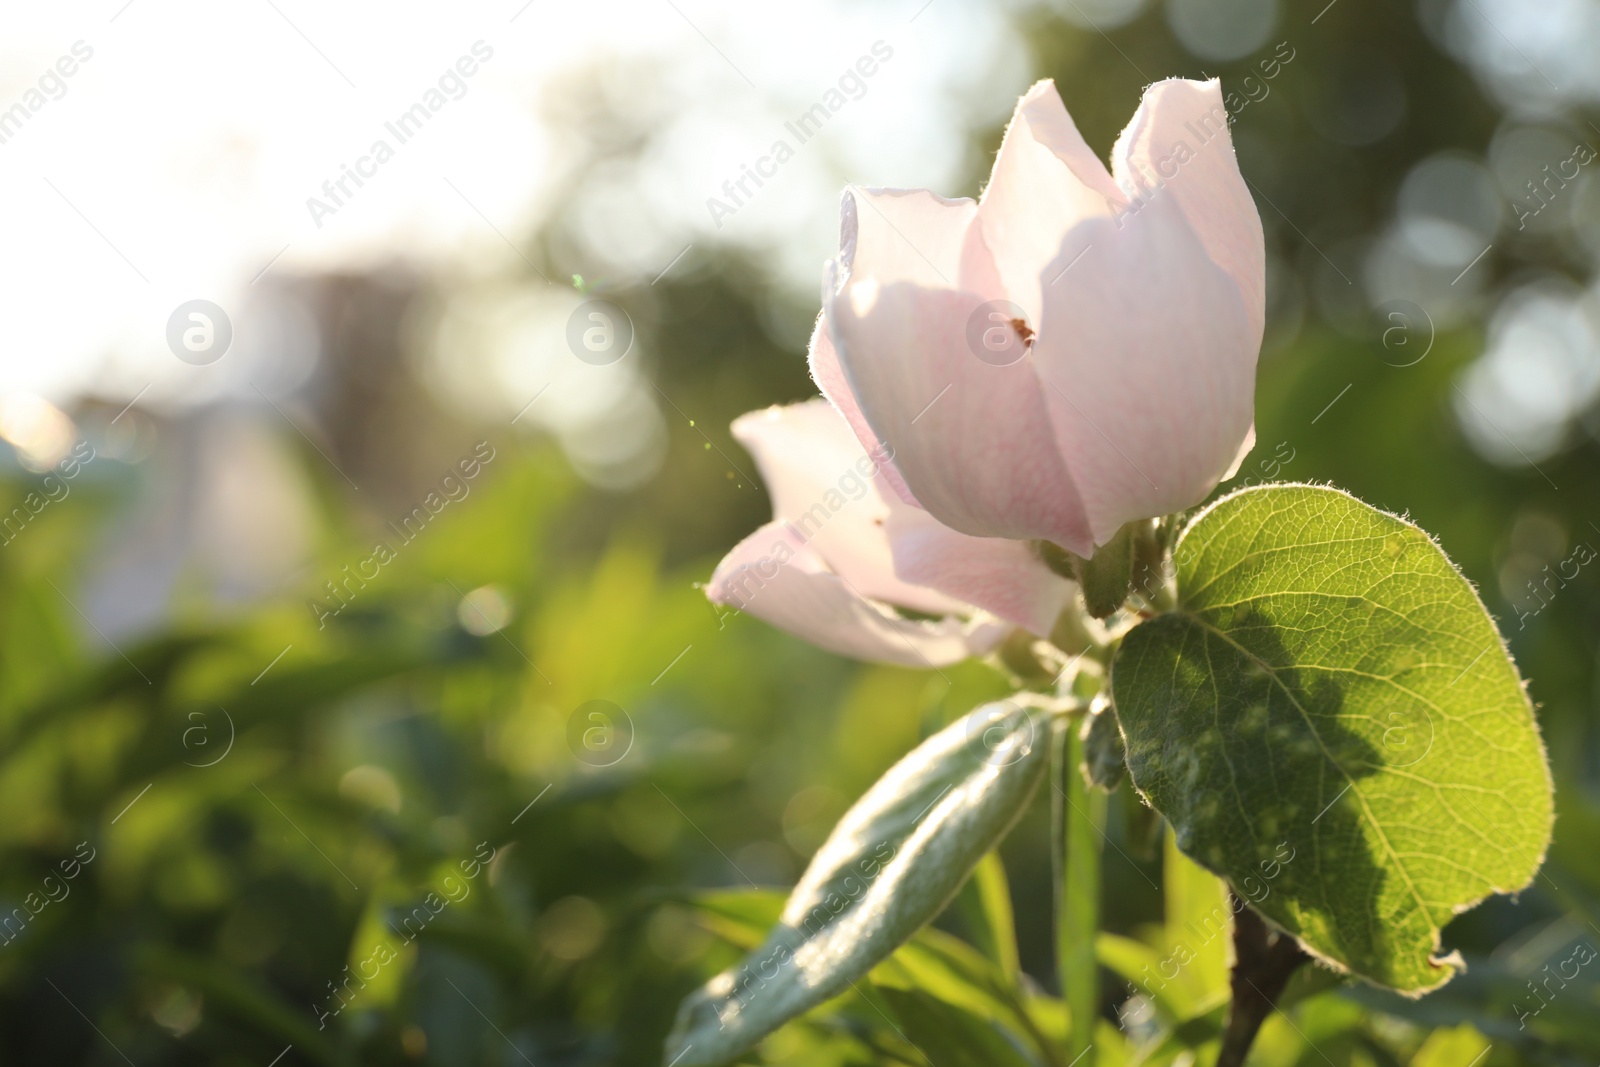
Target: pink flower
[(843, 550), (1074, 350)]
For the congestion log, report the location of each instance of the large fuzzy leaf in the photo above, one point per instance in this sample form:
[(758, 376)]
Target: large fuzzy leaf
[(1331, 722)]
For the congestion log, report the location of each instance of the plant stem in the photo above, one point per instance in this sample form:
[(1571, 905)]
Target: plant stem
[(1264, 960), (1080, 823)]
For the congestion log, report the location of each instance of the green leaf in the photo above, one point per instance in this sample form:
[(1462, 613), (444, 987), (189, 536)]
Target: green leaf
[(1140, 965), (951, 1036), (894, 861), (985, 904), (1198, 926), (740, 917), (951, 970), (1106, 577), (1104, 761), (1331, 722), (1446, 1048), (1081, 813)]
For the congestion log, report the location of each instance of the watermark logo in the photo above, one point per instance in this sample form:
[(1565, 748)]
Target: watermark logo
[(852, 85), (599, 733), (199, 742), (51, 85), (998, 333), (1407, 735), (451, 85), (52, 890), (1406, 332), (599, 332), (999, 734), (199, 332)]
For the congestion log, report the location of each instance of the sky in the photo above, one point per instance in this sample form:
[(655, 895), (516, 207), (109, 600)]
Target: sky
[(162, 152)]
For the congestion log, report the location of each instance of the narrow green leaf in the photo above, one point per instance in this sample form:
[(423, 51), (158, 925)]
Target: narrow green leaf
[(951, 970), (1199, 922), (985, 905), (894, 861), (1082, 812), (951, 1036), (1331, 722), (1141, 966)]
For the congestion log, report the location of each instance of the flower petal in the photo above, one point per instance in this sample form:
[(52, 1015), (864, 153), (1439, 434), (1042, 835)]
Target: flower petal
[(1046, 181), (829, 375), (972, 440), (908, 235), (1244, 451), (1004, 578), (903, 235), (822, 485), (1148, 357), (774, 576), (1178, 145)]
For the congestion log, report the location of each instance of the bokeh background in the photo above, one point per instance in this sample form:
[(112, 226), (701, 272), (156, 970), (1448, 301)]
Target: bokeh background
[(257, 759)]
